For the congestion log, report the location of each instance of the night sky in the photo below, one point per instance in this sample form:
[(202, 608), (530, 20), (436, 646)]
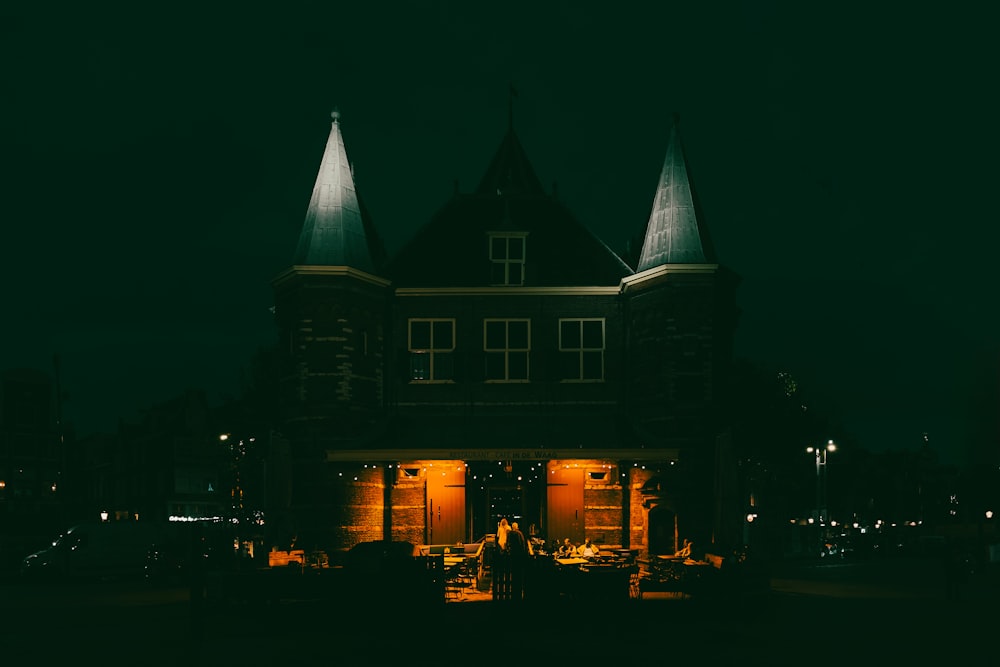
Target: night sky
[(157, 162)]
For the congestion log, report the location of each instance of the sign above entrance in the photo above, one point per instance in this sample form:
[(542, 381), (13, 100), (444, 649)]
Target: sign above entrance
[(501, 454)]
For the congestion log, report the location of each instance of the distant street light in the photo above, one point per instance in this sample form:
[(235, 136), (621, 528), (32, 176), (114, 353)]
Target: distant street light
[(821, 452)]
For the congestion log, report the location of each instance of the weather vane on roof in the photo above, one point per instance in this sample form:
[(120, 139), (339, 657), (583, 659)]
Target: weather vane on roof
[(510, 107)]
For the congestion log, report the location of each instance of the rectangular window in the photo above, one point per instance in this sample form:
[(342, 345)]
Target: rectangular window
[(507, 344), (604, 475), (689, 388), (581, 349), (431, 346), (507, 259)]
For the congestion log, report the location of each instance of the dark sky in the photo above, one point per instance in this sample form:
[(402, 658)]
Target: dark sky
[(157, 161)]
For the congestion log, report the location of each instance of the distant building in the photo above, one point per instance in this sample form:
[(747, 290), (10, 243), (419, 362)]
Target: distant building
[(168, 465), (172, 464), (505, 363), (31, 452)]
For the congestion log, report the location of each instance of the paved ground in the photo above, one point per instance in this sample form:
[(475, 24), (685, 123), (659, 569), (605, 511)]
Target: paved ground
[(810, 615)]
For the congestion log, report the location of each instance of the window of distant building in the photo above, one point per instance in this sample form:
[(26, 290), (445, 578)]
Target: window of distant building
[(507, 344), (431, 344), (507, 258), (581, 349), (689, 388)]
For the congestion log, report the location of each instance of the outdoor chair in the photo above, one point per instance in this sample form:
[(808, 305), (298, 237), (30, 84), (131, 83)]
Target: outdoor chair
[(634, 582)]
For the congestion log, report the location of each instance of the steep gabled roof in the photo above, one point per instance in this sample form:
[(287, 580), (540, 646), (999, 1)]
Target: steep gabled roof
[(337, 230), (676, 232), (452, 250)]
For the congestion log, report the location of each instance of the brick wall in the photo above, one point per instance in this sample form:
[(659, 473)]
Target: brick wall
[(357, 505), (408, 511), (603, 513)]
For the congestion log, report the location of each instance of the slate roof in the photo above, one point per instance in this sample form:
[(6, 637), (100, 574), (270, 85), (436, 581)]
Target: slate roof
[(676, 232), (337, 230), (452, 250), (510, 171)]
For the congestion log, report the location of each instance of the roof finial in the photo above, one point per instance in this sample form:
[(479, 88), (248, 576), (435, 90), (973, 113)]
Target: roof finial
[(510, 109), (335, 115)]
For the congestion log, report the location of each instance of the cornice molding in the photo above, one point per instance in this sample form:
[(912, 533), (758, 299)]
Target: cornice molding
[(509, 291), (470, 454), (336, 271), (664, 270)]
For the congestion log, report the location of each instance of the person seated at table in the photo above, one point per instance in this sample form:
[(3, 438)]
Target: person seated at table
[(588, 549), (567, 549), (685, 550)]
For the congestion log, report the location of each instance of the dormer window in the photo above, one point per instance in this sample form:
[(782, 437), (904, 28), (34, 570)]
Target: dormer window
[(507, 258)]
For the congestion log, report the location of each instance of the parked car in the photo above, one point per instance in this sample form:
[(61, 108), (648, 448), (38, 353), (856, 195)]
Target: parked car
[(95, 550), (208, 545), (828, 549)]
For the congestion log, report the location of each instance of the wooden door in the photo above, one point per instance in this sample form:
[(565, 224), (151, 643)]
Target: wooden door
[(565, 505), (446, 504)]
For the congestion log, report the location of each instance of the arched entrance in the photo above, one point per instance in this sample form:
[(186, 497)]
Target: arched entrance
[(508, 490), (662, 530)]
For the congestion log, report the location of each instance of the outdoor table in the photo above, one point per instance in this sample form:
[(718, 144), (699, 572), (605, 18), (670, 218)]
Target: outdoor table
[(452, 563), (590, 578), (572, 561)]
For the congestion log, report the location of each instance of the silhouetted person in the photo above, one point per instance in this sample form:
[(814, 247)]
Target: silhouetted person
[(956, 572), (502, 529), (500, 562), (517, 548), (196, 577)]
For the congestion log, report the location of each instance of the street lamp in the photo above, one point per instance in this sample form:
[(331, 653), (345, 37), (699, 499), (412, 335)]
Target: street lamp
[(821, 453)]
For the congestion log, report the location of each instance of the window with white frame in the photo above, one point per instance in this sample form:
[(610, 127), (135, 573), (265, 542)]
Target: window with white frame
[(507, 344), (431, 344), (507, 259), (581, 349)]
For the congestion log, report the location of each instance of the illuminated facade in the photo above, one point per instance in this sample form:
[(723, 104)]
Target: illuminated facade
[(505, 363)]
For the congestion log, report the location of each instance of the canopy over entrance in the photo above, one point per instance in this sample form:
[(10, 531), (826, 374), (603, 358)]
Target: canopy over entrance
[(470, 454)]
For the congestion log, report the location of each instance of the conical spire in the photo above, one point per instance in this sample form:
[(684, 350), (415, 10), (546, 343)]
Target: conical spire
[(335, 232), (674, 234)]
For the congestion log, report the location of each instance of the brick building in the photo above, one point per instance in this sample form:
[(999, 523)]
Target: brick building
[(505, 363)]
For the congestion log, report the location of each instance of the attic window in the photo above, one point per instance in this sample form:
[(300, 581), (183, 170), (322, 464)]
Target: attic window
[(599, 475), (507, 252), (409, 472)]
